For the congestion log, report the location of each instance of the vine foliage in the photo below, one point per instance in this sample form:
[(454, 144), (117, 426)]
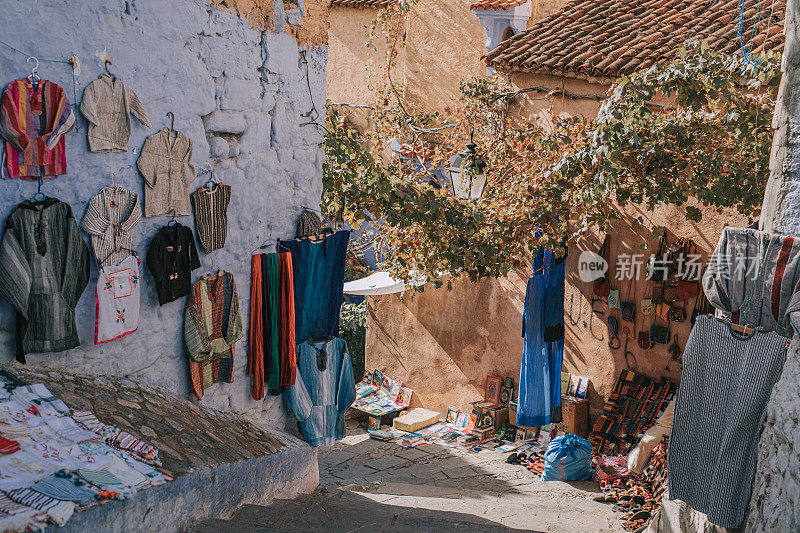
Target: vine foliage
[(694, 132)]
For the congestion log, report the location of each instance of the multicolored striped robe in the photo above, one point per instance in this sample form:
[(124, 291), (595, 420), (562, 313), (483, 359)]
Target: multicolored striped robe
[(33, 123), (212, 325)]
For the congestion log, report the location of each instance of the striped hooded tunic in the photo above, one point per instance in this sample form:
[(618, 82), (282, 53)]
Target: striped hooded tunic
[(110, 216), (33, 123), (44, 268)]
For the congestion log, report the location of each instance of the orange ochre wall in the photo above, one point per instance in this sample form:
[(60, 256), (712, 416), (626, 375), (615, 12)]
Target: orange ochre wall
[(444, 343)]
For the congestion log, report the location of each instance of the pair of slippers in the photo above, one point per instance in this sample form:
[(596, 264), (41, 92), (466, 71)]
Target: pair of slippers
[(516, 458)]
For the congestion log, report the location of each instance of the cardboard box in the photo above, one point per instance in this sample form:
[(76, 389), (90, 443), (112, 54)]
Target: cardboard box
[(575, 413)]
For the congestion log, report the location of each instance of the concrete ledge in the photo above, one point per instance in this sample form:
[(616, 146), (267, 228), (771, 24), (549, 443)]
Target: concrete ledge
[(208, 492)]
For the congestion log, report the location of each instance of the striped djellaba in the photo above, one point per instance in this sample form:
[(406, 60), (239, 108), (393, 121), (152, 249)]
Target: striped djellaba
[(44, 268), (211, 216), (33, 123), (719, 412)]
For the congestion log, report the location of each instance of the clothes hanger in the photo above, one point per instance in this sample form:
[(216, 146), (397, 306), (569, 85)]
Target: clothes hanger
[(106, 63), (172, 123), (119, 249), (38, 196), (172, 222), (34, 77), (211, 184)]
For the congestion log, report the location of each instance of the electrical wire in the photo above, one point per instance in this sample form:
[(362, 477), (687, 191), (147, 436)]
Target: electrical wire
[(31, 55)]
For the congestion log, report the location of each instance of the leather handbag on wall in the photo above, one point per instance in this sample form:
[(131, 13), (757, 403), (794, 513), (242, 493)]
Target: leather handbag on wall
[(677, 314), (601, 286), (659, 334), (671, 292), (688, 288), (613, 298), (643, 340), (628, 311)]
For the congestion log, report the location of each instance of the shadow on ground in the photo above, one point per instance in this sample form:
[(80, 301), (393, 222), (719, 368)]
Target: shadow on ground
[(346, 511)]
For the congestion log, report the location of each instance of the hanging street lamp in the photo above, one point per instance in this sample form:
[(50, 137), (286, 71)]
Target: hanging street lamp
[(467, 172)]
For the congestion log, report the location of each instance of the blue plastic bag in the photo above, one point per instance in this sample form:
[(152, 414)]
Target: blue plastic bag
[(568, 458)]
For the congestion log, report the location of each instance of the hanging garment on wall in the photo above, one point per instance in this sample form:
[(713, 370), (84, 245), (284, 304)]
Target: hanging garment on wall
[(33, 123), (543, 349), (44, 267), (271, 356), (110, 216), (323, 391), (108, 104), (309, 223), (166, 164), (170, 259), (286, 320), (752, 277), (212, 325), (719, 412), (211, 216), (318, 275), (117, 300)]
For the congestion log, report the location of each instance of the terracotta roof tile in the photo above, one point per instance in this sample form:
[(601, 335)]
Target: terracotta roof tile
[(503, 5), (609, 38), (362, 3)]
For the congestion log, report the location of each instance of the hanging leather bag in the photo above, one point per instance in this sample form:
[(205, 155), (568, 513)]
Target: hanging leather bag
[(601, 286), (643, 340), (677, 314), (688, 288), (671, 292), (656, 269), (659, 334)]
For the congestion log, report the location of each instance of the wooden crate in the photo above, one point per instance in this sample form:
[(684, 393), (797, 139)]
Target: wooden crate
[(575, 416)]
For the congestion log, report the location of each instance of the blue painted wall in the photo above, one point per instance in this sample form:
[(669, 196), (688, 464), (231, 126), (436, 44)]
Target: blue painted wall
[(237, 92)]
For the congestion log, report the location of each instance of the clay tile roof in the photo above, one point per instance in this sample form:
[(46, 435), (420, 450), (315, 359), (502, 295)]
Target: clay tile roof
[(503, 5), (362, 3), (610, 38)]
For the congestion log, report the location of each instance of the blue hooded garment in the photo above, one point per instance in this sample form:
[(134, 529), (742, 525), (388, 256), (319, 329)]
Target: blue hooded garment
[(543, 349)]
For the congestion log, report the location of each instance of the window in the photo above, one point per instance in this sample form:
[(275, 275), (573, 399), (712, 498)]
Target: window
[(509, 33)]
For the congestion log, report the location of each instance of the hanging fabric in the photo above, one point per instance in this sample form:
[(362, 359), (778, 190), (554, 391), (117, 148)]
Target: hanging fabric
[(108, 104), (271, 358), (166, 165), (33, 122), (117, 299), (212, 325), (543, 348), (44, 268), (110, 216), (318, 277), (211, 215), (725, 386)]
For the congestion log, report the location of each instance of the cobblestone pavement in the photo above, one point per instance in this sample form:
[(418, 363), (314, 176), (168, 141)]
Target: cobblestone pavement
[(367, 485)]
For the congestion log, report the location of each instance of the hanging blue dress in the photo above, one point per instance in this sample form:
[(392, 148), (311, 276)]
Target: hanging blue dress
[(543, 348)]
